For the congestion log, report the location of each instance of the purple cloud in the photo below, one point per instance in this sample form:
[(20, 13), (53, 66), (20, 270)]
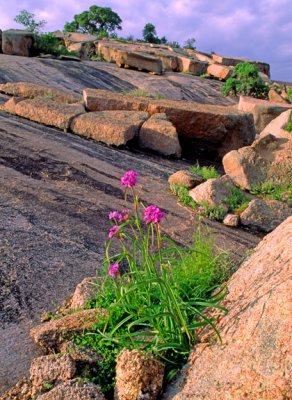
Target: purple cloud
[(260, 30)]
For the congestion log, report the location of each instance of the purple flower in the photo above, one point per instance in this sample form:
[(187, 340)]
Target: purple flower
[(114, 231), (200, 208), (129, 179), (125, 215), (153, 214), (113, 269), (115, 215)]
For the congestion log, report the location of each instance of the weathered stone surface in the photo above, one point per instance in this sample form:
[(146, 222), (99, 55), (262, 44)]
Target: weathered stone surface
[(50, 370), (195, 66), (219, 71), (21, 391), (78, 37), (83, 50), (9, 105), (268, 158), (231, 220), (50, 335), (265, 215), (27, 89), (158, 134), (185, 178), (214, 191), (48, 112), (138, 376), (263, 111), (17, 42), (110, 127), (74, 390), (277, 125), (143, 62), (217, 125), (275, 97), (233, 61), (84, 292), (254, 361)]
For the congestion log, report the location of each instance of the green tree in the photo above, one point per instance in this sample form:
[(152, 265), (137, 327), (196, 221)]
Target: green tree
[(26, 18), (96, 21), (149, 33), (190, 44), (245, 80)]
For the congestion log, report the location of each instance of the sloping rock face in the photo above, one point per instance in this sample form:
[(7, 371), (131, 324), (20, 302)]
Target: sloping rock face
[(262, 110), (219, 71), (233, 61), (110, 127), (17, 43), (268, 158), (254, 361), (27, 89), (217, 125), (277, 125), (74, 390), (158, 134)]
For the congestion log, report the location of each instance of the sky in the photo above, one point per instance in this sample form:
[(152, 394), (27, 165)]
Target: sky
[(257, 29)]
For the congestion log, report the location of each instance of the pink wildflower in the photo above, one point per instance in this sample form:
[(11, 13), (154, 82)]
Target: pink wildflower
[(113, 269), (153, 214), (125, 215), (114, 231), (200, 208), (129, 179), (115, 215)]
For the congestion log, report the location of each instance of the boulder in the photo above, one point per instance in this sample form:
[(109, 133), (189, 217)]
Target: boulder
[(48, 112), (140, 61), (185, 178), (219, 71), (27, 89), (9, 105), (219, 126), (83, 50), (268, 158), (231, 220), (22, 390), (201, 56), (74, 390), (254, 359), (263, 111), (192, 65), (233, 61), (110, 127), (17, 43), (50, 369), (158, 134), (50, 335), (275, 97), (85, 291), (265, 215), (213, 192), (138, 376), (277, 125), (78, 37)]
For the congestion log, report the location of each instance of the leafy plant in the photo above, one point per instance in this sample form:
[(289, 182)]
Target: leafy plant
[(216, 213), (144, 93), (100, 21), (272, 191), (27, 19), (245, 80), (237, 199), (205, 172), (288, 126), (48, 43), (155, 292), (289, 92), (183, 195)]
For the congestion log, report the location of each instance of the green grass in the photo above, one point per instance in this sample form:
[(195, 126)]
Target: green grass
[(288, 126), (237, 200), (144, 93), (271, 191), (183, 195), (205, 172)]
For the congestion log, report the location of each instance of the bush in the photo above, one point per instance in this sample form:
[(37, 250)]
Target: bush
[(48, 43), (245, 80), (205, 172), (156, 292)]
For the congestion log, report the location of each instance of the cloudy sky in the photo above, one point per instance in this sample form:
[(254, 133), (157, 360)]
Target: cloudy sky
[(257, 29)]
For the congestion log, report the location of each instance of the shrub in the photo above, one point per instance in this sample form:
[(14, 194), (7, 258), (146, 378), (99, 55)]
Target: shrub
[(205, 172), (48, 43), (155, 291), (245, 80), (272, 191), (288, 126), (237, 199)]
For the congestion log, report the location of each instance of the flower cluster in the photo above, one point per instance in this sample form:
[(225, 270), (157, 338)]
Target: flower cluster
[(119, 217), (114, 231), (153, 215), (113, 270), (129, 179)]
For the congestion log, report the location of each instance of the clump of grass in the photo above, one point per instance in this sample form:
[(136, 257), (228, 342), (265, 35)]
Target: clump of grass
[(183, 195), (237, 199), (271, 191), (144, 93), (216, 213), (288, 126), (205, 172), (240, 208)]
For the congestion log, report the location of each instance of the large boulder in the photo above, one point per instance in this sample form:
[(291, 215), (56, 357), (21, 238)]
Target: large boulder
[(220, 72), (233, 61), (83, 50), (264, 215), (85, 291), (254, 359), (192, 65), (48, 112), (275, 97), (52, 334), (140, 61), (277, 126), (30, 90), (138, 376), (185, 179), (158, 134), (110, 127), (263, 111), (268, 158), (74, 390), (18, 43), (219, 126)]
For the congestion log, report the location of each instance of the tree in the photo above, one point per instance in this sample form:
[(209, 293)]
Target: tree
[(245, 80), (190, 44), (26, 18), (149, 33), (96, 21)]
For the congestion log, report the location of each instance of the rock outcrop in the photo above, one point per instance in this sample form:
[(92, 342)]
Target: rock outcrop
[(233, 61), (74, 390), (220, 72), (277, 126), (17, 42), (254, 359), (185, 178), (84, 292)]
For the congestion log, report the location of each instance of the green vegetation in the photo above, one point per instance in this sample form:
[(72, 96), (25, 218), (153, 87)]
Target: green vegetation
[(288, 126), (155, 292), (101, 21), (245, 80), (144, 93), (205, 172), (237, 200), (289, 92), (271, 191), (183, 196), (26, 18), (216, 213), (48, 43)]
